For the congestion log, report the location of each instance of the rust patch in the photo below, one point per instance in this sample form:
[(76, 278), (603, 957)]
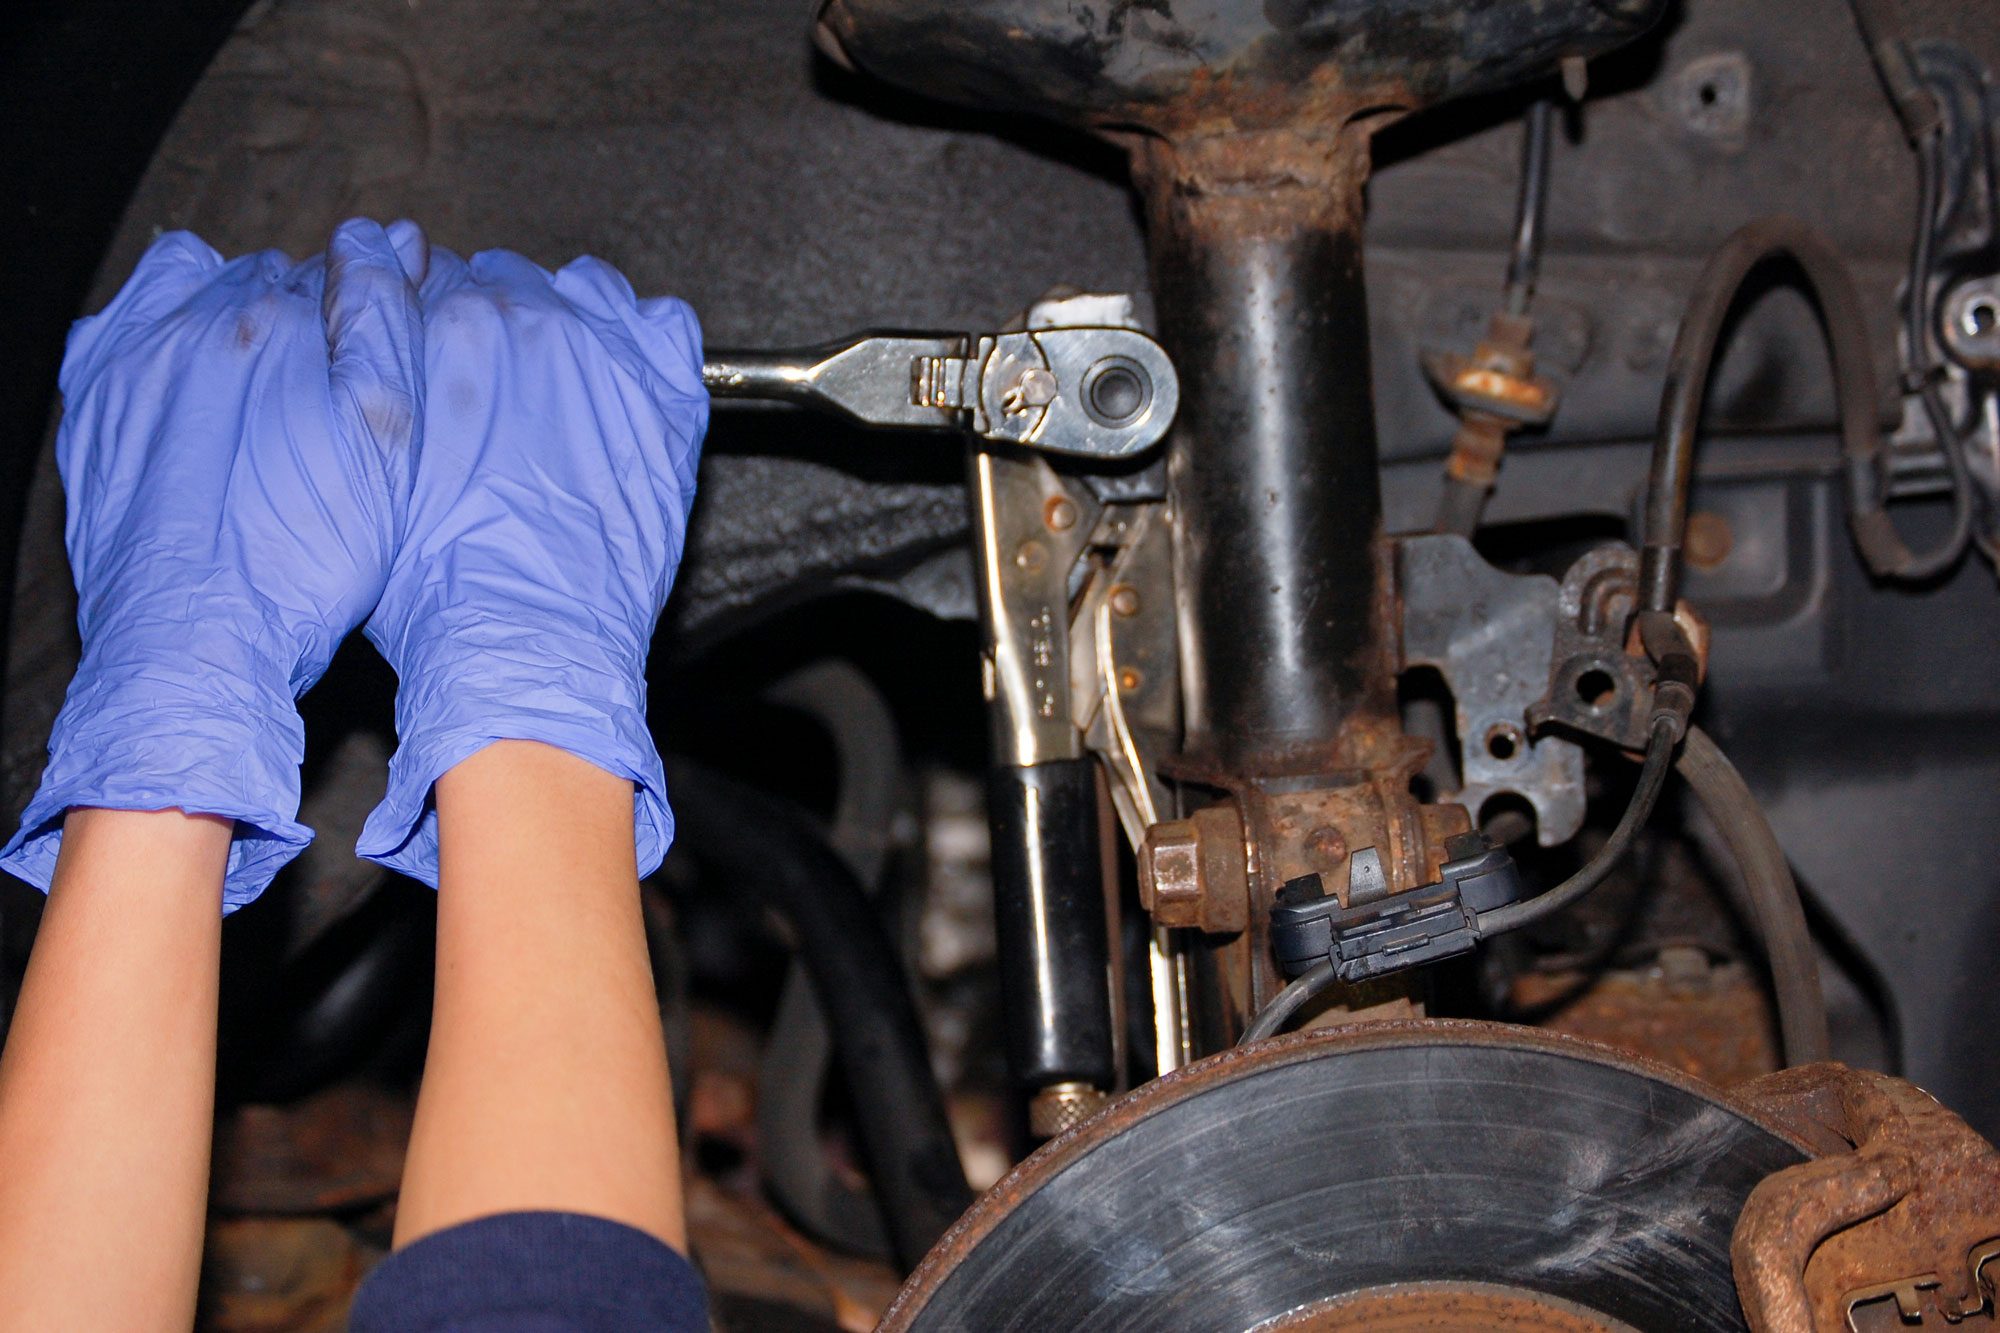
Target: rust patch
[(333, 1151), (1445, 1307), (279, 1275), (1908, 1218), (1717, 1027)]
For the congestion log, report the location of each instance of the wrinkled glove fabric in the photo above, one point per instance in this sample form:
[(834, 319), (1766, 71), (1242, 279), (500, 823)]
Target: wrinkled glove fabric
[(238, 446), (563, 423)]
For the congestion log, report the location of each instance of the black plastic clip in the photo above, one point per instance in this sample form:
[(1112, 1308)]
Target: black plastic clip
[(1401, 930)]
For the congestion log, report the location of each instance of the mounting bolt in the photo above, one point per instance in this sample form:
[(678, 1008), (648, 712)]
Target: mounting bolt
[(1125, 600), (1170, 873), (1196, 871), (1060, 514)]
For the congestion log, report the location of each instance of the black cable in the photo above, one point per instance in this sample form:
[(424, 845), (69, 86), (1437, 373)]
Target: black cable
[(1922, 118), (1645, 794), (1921, 370), (1915, 106), (1774, 896), (1304, 988), (1666, 730), (771, 848), (1464, 497), (1531, 207), (1688, 368)]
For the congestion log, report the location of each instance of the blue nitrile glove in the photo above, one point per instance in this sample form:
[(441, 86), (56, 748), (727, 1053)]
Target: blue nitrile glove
[(563, 425), (238, 444)]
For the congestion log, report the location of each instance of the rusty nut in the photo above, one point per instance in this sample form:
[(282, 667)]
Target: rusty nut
[(1194, 872)]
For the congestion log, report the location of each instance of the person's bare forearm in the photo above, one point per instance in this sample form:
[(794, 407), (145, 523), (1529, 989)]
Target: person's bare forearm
[(107, 1086), (546, 1083)]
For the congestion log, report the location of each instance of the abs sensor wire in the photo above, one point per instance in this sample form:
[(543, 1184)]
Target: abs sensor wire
[(1922, 118), (1775, 906), (1660, 743)]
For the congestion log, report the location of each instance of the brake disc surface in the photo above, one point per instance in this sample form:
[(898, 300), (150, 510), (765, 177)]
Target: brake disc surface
[(1431, 1175)]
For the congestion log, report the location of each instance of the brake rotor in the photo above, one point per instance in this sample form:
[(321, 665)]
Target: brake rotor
[(1429, 1175)]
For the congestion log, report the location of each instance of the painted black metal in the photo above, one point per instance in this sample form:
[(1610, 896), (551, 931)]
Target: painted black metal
[(1273, 475), (1048, 904), (1140, 60)]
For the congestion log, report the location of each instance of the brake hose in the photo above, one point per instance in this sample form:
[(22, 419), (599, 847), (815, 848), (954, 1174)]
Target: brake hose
[(1826, 275), (1773, 895)]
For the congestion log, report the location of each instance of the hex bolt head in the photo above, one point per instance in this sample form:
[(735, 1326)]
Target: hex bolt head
[(1170, 872), (1193, 872)]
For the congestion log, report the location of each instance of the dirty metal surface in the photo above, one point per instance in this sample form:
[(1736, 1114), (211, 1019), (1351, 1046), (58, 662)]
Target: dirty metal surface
[(333, 1151), (1909, 1216), (1207, 1199), (1598, 688), (1227, 64), (1711, 1022), (1445, 1307), (1491, 635), (1321, 830)]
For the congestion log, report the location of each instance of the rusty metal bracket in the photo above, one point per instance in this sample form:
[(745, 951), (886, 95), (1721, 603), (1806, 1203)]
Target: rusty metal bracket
[(1905, 1207), (1603, 685), (1492, 636)]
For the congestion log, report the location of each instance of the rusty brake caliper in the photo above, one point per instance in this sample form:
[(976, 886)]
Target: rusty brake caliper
[(1897, 1224)]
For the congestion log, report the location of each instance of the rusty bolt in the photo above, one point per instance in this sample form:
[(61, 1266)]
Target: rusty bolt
[(1325, 848), (1059, 513), (1170, 873), (1195, 871), (1130, 679), (1031, 557), (1125, 600), (1709, 540)]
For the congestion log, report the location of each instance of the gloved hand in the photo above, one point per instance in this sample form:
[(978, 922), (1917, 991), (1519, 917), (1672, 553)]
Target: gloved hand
[(238, 445), (563, 424)]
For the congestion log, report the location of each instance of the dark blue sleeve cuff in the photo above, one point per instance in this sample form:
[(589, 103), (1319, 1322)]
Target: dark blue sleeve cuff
[(533, 1273)]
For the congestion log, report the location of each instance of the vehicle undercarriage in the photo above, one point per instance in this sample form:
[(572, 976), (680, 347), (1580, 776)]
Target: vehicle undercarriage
[(1549, 658)]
